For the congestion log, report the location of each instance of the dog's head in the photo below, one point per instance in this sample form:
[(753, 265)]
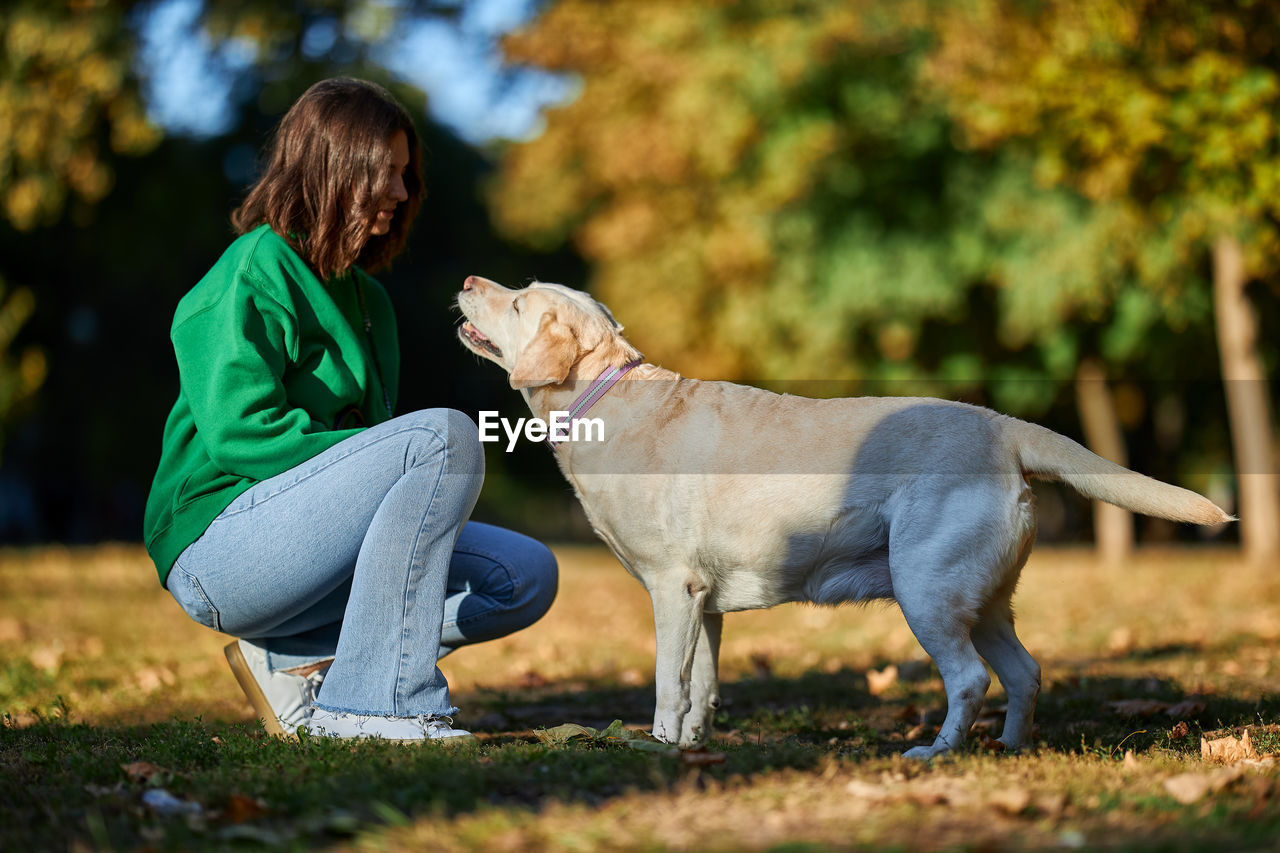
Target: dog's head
[(540, 333)]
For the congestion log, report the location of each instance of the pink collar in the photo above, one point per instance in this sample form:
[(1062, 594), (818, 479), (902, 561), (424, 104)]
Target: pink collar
[(596, 390)]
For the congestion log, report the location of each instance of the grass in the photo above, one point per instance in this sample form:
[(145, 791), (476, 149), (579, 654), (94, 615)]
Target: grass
[(112, 698)]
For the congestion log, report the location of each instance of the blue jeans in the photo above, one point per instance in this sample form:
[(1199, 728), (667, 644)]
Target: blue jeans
[(360, 554)]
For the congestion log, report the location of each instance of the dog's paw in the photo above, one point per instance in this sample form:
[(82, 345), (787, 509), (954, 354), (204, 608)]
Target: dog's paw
[(923, 753), (665, 733), (692, 735)]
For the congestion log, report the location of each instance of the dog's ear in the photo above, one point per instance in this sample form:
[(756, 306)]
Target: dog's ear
[(547, 359)]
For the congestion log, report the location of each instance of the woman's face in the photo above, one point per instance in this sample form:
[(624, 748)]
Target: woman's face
[(396, 193)]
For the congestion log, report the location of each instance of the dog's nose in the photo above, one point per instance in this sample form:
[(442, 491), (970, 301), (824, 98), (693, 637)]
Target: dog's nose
[(472, 282)]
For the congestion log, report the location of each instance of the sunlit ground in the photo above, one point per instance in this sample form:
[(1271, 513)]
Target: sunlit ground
[(92, 649)]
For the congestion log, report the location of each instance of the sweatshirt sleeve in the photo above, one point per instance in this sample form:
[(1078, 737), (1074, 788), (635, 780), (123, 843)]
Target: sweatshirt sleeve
[(232, 356)]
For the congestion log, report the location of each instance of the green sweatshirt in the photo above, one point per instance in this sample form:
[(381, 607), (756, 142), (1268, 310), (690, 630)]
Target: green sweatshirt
[(269, 358)]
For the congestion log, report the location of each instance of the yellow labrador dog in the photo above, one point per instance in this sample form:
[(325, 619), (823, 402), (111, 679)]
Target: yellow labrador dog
[(721, 497)]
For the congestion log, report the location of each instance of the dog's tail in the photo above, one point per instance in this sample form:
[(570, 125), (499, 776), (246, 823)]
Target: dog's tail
[(1046, 454)]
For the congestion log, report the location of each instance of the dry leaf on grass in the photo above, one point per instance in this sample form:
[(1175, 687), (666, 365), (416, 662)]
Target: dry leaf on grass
[(864, 790), (1052, 804), (880, 680), (1011, 801), (143, 771), (12, 631), (1228, 750), (614, 733), (563, 733), (921, 731), (1180, 731), (47, 658), (1120, 640), (1188, 788), (700, 757), (909, 714), (241, 808), (956, 792)]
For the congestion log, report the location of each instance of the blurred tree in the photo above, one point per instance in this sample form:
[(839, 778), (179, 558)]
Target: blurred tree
[(68, 100), (20, 374), (1167, 111), (772, 190)]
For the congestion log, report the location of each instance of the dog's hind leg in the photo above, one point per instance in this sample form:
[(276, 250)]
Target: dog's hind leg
[(704, 696), (1017, 670), (944, 634), (678, 599)]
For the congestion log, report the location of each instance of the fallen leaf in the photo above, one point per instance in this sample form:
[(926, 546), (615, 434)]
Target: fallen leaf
[(909, 713), (1188, 788), (934, 790), (700, 757), (1179, 731), (143, 771), (1011, 800), (11, 631), (48, 658), (632, 677), (1120, 640), (866, 790), (241, 808), (1052, 805), (615, 732), (878, 681), (1131, 761), (153, 678), (920, 731), (1228, 750), (563, 733)]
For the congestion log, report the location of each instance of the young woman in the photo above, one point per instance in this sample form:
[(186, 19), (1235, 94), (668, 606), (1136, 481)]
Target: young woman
[(290, 507)]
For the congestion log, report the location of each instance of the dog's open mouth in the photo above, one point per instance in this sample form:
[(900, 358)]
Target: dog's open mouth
[(471, 335)]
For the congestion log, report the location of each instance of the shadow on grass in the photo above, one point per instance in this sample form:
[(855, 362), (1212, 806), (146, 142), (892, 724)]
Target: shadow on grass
[(65, 784)]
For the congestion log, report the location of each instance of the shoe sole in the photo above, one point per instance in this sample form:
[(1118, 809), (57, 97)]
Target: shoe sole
[(252, 690)]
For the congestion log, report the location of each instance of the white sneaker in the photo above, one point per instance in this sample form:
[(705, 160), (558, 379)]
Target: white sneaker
[(340, 724), (282, 700)]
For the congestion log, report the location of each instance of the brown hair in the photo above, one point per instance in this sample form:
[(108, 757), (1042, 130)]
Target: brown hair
[(329, 167)]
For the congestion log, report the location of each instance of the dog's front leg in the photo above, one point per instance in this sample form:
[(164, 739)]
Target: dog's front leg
[(704, 697), (678, 600)]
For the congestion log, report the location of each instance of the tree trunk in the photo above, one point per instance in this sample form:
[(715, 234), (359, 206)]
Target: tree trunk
[(1248, 404), (1112, 526)]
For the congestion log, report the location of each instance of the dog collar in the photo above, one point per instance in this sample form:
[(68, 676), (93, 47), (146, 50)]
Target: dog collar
[(596, 390)]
